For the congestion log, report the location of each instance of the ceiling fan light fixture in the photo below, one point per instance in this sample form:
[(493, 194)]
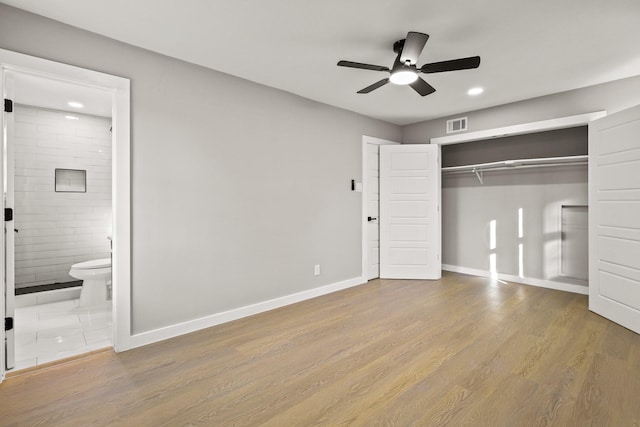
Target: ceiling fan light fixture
[(403, 77)]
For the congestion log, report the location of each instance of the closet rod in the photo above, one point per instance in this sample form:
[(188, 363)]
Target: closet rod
[(520, 163)]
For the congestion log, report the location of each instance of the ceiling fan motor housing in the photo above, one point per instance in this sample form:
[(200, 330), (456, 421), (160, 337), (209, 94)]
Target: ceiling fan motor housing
[(397, 46)]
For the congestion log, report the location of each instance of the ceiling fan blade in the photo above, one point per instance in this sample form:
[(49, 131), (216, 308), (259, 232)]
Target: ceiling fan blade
[(374, 86), (413, 45), (422, 87), (452, 65), (362, 66)]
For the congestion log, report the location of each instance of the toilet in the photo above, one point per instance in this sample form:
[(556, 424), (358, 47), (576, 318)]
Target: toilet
[(95, 275)]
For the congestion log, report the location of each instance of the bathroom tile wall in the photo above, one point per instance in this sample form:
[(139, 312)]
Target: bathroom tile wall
[(56, 229)]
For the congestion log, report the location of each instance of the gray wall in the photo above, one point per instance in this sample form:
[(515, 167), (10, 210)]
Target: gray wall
[(468, 207), (557, 143), (237, 189)]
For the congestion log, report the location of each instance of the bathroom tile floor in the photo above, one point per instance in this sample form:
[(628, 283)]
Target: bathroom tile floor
[(53, 331)]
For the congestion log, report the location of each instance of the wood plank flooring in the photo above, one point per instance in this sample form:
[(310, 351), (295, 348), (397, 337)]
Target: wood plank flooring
[(459, 351)]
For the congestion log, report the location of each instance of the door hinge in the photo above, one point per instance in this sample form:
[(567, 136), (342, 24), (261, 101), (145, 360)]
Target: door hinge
[(8, 323), (8, 214), (8, 106)]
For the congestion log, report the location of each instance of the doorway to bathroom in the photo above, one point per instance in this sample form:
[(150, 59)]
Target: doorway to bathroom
[(66, 244)]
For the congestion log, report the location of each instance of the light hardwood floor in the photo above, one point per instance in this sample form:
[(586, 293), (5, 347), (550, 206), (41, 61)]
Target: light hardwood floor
[(459, 351)]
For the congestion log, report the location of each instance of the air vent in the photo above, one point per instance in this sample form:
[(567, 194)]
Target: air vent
[(457, 125)]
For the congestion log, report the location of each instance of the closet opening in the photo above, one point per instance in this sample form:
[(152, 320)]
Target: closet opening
[(515, 203)]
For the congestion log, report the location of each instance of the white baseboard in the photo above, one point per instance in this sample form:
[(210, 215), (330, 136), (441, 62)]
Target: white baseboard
[(28, 300), (576, 289), (160, 334)]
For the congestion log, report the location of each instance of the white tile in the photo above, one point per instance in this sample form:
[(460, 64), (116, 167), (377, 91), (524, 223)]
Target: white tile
[(25, 363), (98, 335), (58, 333), (57, 307), (95, 321), (99, 345), (26, 351), (48, 321), (60, 343), (25, 339), (53, 331), (25, 321), (25, 300), (61, 295)]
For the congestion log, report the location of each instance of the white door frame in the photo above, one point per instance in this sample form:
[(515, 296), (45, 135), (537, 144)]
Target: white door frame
[(365, 165), (121, 178)]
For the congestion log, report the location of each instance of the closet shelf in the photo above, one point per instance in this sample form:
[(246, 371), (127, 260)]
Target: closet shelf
[(479, 168)]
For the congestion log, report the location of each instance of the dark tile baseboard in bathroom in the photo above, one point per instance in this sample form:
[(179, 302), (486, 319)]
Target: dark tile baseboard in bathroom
[(49, 287)]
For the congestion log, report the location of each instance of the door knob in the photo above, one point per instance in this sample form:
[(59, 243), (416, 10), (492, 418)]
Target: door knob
[(370, 218)]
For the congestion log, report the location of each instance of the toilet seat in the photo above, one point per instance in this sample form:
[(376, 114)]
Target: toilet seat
[(93, 264)]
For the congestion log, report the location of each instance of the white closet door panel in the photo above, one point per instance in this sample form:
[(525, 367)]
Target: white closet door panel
[(613, 249), (410, 185), (620, 177), (621, 289), (620, 136), (410, 209), (410, 212), (614, 221), (416, 257), (620, 213), (409, 233)]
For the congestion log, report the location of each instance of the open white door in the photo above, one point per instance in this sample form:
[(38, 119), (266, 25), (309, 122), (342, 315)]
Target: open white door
[(7, 296), (614, 217), (410, 239), (9, 223)]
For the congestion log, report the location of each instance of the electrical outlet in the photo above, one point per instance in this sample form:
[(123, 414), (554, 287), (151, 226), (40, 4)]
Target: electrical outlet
[(316, 270)]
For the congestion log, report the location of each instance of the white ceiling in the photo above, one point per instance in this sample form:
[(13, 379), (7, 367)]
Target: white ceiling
[(44, 92), (528, 48)]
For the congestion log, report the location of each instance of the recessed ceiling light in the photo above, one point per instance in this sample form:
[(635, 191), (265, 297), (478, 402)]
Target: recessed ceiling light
[(475, 91), (75, 104), (71, 117)]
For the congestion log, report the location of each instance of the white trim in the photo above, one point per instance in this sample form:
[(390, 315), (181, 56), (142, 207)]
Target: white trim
[(365, 163), (172, 331), (559, 286), (2, 239), (119, 87), (121, 207), (520, 129)]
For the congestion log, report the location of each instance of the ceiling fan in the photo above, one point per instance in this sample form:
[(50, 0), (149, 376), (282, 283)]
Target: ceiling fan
[(404, 70)]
